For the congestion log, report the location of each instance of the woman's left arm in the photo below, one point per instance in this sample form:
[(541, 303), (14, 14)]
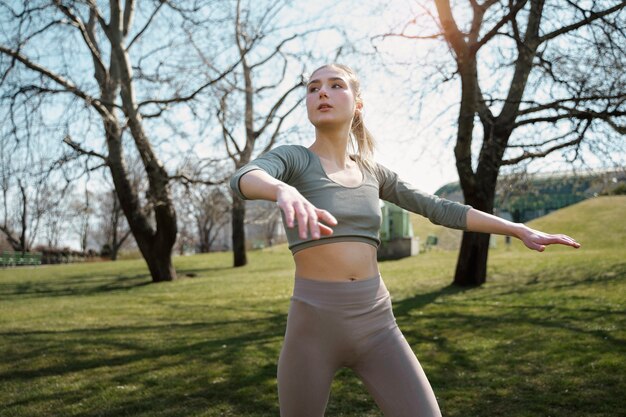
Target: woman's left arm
[(478, 221)]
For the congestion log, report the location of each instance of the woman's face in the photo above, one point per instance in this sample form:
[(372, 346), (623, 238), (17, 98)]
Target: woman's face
[(330, 99)]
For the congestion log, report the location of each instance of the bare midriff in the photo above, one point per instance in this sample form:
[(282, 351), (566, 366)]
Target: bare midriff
[(339, 261)]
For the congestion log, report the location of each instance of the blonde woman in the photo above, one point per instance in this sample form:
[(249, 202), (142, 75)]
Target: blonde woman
[(340, 313)]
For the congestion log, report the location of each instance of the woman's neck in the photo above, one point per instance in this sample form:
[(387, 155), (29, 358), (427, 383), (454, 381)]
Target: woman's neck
[(332, 145)]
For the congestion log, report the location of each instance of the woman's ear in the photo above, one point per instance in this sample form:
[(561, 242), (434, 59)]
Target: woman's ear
[(358, 105)]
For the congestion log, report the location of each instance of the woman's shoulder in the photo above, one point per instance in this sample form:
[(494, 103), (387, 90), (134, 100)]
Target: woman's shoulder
[(296, 158), (381, 172), (294, 152)]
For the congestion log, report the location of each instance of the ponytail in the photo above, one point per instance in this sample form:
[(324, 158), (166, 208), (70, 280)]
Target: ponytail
[(364, 141)]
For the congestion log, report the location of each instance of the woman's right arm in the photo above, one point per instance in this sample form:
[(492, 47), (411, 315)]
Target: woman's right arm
[(258, 184)]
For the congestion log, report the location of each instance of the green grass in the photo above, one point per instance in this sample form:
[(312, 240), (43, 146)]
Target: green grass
[(546, 336)]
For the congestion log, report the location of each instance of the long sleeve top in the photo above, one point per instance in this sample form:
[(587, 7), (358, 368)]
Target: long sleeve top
[(356, 209)]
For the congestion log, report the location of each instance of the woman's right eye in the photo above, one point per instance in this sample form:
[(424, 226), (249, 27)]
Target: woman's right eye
[(313, 89)]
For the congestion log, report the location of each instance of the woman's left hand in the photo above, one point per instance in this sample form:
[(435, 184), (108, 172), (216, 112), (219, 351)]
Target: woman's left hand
[(536, 240)]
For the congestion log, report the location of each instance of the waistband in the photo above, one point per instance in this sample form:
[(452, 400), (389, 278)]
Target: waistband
[(340, 293)]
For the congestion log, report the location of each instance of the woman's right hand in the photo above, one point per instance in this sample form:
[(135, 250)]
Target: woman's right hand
[(297, 208)]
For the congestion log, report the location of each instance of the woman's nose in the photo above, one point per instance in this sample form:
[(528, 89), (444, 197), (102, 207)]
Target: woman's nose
[(322, 92)]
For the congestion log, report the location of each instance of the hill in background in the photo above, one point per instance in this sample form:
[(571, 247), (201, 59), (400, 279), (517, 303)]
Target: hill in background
[(598, 222), (521, 198)]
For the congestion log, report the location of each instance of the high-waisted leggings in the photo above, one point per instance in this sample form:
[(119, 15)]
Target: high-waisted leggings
[(348, 324)]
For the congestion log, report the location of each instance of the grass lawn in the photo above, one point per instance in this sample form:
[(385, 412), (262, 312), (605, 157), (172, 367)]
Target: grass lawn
[(546, 336)]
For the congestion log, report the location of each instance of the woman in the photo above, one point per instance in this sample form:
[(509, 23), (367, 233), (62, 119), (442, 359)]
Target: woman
[(340, 313)]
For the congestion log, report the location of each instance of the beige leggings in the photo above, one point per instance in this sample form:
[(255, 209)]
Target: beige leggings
[(348, 324)]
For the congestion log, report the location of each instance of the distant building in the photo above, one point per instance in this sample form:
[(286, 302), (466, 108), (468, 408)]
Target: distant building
[(521, 198), (396, 233), (263, 227)]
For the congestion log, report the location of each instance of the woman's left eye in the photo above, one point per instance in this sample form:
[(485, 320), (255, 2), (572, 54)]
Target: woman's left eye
[(337, 86)]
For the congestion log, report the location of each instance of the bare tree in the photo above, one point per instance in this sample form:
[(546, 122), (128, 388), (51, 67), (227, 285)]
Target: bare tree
[(536, 77), (81, 211), (262, 88), (112, 230), (266, 217), (28, 196), (134, 76)]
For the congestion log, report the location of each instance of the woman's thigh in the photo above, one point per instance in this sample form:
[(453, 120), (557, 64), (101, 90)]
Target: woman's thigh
[(307, 363), (396, 380)]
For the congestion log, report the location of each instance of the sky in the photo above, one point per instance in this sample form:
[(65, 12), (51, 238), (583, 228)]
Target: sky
[(415, 135), (415, 149)]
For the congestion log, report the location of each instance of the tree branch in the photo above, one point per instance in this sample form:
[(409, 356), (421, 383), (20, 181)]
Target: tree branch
[(68, 140), (78, 23), (138, 35), (494, 30), (572, 113), (592, 16), (277, 105), (618, 128), (195, 93), (534, 155), (557, 104), (450, 29), (94, 102), (523, 64), (186, 180), (276, 51), (272, 140), (129, 9)]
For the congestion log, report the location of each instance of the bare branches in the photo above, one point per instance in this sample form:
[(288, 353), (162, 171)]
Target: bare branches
[(453, 35), (87, 37), (277, 129), (195, 93), (592, 16), (76, 147), (71, 88), (559, 104), (270, 116), (145, 27), (564, 112), (494, 30), (540, 154), (187, 180), (129, 9), (621, 129)]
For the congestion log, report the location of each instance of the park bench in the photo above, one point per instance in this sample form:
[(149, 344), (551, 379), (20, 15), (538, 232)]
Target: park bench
[(9, 258), (431, 240)]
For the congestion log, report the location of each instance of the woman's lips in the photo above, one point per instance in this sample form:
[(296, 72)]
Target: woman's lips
[(324, 106)]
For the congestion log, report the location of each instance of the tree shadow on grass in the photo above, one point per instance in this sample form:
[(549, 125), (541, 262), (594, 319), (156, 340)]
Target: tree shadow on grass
[(405, 306), (80, 285), (229, 364), (90, 284), (554, 370)]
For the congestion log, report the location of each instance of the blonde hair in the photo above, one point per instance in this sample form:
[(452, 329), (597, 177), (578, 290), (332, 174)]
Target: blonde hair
[(362, 142)]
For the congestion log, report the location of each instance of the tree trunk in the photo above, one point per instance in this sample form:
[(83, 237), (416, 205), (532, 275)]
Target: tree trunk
[(155, 245), (239, 233), (471, 268), (158, 256)]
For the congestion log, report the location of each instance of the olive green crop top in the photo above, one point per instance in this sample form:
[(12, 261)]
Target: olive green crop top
[(356, 209)]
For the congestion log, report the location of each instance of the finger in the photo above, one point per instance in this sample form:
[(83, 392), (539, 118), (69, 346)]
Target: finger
[(326, 217), (325, 230), (562, 240), (314, 227), (289, 213), (302, 216), (570, 241)]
